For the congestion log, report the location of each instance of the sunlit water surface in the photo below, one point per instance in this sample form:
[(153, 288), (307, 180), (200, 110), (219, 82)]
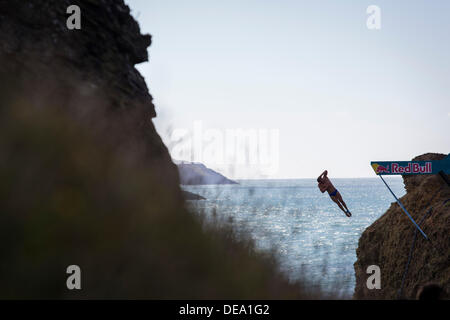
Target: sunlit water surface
[(312, 237)]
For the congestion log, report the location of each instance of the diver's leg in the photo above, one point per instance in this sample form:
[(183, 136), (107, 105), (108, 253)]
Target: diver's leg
[(347, 213), (337, 202), (338, 195)]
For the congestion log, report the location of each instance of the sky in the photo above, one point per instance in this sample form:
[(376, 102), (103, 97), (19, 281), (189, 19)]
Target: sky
[(307, 83)]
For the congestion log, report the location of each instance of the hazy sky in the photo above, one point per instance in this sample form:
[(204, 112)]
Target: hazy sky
[(338, 94)]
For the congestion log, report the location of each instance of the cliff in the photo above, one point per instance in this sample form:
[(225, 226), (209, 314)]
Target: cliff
[(91, 66), (85, 179), (387, 242)]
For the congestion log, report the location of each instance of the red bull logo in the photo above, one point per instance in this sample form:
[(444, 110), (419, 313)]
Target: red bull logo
[(382, 169)]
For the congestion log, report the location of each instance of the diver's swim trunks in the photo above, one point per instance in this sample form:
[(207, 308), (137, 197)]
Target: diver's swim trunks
[(333, 193)]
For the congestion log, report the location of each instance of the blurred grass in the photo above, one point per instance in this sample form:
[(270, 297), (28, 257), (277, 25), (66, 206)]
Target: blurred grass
[(76, 188)]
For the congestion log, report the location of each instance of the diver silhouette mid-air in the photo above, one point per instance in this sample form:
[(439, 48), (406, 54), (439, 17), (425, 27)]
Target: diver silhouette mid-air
[(326, 185)]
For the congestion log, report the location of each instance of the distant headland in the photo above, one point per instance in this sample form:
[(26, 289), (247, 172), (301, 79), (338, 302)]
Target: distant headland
[(194, 173)]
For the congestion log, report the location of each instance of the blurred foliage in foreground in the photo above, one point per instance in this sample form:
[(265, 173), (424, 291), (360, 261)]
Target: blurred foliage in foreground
[(75, 189)]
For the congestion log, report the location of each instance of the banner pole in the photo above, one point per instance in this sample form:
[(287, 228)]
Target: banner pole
[(404, 209)]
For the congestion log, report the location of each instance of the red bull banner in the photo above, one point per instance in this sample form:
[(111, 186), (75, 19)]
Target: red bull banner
[(411, 167)]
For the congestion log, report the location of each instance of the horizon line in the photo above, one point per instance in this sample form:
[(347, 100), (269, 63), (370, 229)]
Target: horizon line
[(393, 176)]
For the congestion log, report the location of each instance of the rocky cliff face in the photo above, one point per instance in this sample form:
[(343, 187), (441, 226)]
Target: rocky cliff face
[(387, 242), (105, 50), (91, 66)]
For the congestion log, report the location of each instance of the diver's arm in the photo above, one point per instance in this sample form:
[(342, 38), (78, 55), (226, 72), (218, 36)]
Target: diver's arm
[(323, 174)]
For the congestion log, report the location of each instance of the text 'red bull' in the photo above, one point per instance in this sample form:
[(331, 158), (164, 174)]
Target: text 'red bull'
[(411, 168)]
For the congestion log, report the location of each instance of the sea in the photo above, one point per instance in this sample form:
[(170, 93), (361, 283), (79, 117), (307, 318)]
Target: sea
[(311, 237)]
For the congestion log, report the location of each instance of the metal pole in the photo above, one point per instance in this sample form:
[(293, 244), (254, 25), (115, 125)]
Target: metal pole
[(401, 206)]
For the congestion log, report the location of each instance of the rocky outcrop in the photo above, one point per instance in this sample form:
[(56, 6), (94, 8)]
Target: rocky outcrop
[(387, 242), (91, 66), (192, 173), (104, 51), (192, 196)]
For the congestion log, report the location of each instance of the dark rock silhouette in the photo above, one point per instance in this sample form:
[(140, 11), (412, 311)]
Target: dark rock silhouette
[(86, 179), (431, 291), (387, 241), (99, 60)]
